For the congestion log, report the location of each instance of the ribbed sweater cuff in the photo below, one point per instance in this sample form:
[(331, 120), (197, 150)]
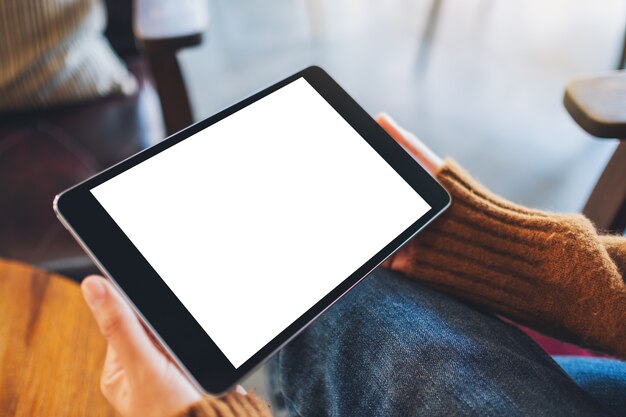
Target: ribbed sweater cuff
[(548, 271), (233, 404)]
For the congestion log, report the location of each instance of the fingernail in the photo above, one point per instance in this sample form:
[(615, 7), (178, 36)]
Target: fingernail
[(93, 291), (383, 115), (241, 390), (391, 121)]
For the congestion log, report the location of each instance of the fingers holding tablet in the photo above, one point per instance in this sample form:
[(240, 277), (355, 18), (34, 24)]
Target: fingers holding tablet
[(135, 373), (117, 322)]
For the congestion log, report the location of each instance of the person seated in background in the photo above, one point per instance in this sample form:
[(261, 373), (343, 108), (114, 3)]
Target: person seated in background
[(419, 336)]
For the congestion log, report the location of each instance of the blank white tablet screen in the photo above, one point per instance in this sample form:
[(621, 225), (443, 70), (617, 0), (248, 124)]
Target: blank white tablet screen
[(253, 220)]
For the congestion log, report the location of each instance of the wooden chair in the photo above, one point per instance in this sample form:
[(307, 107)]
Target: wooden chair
[(160, 53), (161, 30), (45, 151), (598, 105)]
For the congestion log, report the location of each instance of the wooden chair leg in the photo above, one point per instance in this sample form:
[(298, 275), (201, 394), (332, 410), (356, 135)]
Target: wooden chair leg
[(175, 104), (606, 206), (432, 21), (622, 60), (425, 43)]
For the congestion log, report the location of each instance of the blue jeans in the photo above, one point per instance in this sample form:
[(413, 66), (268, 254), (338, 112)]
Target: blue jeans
[(392, 347)]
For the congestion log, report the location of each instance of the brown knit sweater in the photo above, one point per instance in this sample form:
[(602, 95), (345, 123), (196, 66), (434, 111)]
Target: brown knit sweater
[(551, 272)]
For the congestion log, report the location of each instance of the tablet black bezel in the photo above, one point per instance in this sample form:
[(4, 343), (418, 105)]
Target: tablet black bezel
[(183, 337)]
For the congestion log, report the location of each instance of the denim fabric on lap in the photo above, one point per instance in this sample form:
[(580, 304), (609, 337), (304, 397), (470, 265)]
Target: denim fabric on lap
[(392, 347)]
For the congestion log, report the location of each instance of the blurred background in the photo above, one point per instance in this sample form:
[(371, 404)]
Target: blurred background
[(86, 83), (479, 80)]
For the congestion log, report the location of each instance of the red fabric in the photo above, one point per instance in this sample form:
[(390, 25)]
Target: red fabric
[(556, 347)]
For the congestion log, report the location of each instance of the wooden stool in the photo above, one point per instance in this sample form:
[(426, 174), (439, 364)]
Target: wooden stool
[(51, 352)]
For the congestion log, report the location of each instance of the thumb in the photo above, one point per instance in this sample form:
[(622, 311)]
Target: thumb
[(118, 324), (415, 147)]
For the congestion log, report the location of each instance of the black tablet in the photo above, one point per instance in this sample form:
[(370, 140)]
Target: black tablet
[(231, 236)]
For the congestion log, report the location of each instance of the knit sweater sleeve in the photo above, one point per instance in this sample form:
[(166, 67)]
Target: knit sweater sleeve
[(233, 404), (551, 272)]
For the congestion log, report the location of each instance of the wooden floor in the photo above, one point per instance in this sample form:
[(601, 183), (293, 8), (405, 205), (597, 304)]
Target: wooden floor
[(484, 87)]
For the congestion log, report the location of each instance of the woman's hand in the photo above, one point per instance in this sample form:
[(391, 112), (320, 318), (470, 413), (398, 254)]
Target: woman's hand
[(422, 153), (137, 379)]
